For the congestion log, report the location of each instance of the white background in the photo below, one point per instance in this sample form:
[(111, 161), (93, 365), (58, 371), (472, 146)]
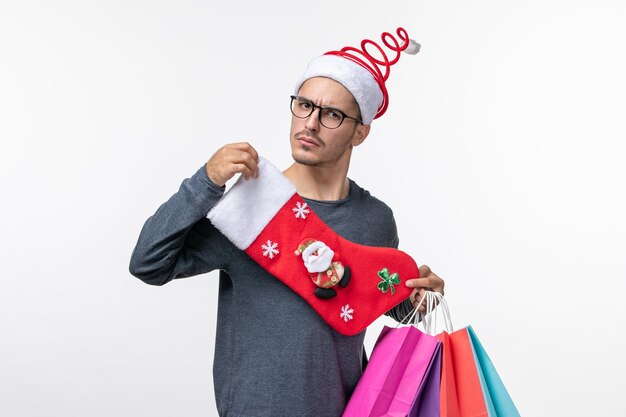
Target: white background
[(502, 155)]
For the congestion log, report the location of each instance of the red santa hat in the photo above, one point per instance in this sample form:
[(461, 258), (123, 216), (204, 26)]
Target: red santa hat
[(361, 72)]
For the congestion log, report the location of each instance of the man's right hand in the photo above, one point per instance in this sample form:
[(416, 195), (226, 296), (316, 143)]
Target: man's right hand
[(232, 159)]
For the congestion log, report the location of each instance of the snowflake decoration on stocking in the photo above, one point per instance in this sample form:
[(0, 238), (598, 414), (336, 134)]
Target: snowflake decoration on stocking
[(346, 313), (270, 249), (301, 210)]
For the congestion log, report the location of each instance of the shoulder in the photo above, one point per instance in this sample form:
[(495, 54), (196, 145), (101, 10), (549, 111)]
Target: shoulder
[(364, 198), (373, 218)]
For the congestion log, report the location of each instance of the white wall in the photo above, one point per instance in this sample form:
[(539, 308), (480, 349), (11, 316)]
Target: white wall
[(501, 155)]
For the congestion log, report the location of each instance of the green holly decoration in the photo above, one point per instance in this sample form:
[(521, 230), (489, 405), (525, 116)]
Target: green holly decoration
[(388, 281)]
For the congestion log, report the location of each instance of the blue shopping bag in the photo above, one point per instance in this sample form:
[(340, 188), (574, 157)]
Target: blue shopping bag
[(497, 398)]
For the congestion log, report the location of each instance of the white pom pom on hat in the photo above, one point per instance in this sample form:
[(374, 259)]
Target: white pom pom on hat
[(413, 47), (361, 73)]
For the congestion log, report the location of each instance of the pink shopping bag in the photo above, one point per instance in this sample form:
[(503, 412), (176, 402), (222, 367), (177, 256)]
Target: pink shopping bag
[(402, 378)]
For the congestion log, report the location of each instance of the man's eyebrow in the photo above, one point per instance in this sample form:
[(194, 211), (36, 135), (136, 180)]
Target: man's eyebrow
[(324, 107)]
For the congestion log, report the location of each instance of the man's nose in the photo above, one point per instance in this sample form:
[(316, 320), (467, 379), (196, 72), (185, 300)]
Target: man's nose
[(313, 121)]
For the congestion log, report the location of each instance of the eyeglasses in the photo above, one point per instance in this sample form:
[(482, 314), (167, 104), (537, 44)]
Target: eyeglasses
[(329, 117)]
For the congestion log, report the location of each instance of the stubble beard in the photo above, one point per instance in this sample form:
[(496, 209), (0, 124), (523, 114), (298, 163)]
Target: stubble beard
[(315, 161), (298, 157)]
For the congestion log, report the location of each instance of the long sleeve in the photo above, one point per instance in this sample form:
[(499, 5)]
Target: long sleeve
[(178, 240)]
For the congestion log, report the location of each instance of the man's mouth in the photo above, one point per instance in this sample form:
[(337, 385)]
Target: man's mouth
[(307, 141)]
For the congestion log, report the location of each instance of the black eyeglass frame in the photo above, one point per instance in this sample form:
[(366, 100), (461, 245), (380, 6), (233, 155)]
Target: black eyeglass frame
[(319, 114)]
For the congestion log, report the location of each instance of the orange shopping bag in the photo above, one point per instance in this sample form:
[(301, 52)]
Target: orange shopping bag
[(470, 384), (461, 392)]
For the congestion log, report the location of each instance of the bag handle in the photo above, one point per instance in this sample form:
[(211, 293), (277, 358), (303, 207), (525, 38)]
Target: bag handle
[(414, 317), (432, 299), (436, 304)]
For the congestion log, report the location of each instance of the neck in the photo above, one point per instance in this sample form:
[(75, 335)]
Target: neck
[(319, 183)]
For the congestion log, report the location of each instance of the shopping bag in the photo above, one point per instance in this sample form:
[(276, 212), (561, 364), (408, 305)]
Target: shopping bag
[(470, 384), (401, 378), (500, 404), (427, 401), (461, 391)]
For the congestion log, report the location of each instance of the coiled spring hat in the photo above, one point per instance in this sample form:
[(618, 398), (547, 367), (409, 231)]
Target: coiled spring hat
[(361, 72)]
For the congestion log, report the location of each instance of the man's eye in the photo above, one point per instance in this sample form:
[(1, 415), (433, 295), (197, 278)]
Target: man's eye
[(333, 114), (305, 105)]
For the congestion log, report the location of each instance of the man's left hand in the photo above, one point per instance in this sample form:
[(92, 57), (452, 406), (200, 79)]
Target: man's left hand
[(428, 281)]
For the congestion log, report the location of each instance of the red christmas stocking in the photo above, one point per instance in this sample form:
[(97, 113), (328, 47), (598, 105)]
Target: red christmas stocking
[(349, 285)]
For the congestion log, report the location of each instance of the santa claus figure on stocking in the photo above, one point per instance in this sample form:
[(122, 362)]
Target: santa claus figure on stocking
[(324, 266)]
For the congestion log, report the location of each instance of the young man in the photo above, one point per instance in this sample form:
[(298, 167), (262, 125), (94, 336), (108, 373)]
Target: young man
[(274, 355)]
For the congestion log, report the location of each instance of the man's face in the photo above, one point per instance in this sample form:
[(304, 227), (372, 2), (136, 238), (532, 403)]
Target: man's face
[(313, 144)]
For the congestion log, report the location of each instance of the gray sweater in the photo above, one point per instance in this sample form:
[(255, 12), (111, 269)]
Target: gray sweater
[(274, 356)]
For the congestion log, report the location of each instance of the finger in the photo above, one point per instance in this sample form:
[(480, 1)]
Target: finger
[(225, 162), (424, 270), (429, 282), (251, 162), (245, 147), (240, 152), (255, 156), (438, 284), (418, 300), (243, 169), (241, 157)]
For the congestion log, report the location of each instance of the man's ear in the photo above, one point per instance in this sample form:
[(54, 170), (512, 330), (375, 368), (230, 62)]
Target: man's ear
[(360, 134)]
